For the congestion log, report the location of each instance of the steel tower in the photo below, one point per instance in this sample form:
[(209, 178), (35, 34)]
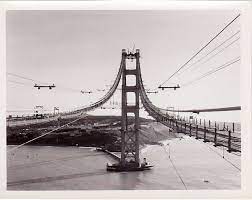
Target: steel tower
[(130, 134)]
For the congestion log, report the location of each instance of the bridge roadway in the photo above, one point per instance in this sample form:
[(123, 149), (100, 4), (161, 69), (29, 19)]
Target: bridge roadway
[(22, 122)]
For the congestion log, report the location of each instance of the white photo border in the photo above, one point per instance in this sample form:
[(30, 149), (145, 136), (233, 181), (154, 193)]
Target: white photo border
[(246, 96)]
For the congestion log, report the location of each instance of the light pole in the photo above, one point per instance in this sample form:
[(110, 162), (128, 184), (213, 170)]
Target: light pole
[(54, 110), (172, 107)]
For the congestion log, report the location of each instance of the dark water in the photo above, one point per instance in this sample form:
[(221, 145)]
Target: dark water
[(76, 168)]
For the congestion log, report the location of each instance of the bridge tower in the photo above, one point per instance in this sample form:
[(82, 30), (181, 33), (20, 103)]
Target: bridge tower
[(130, 135), (129, 160)]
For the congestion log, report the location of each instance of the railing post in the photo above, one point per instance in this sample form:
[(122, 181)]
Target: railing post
[(215, 137), (200, 121), (57, 139), (229, 141), (185, 127), (59, 119), (196, 132), (233, 127), (204, 134), (209, 124), (190, 134)]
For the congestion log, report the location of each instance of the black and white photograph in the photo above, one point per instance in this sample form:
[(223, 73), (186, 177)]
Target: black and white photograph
[(123, 99)]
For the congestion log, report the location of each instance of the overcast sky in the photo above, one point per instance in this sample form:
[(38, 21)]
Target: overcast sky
[(82, 50)]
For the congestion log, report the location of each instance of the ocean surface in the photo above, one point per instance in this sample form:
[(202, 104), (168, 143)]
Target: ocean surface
[(193, 165)]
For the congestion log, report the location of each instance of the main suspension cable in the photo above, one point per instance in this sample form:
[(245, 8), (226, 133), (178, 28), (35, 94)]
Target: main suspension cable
[(38, 81), (200, 50), (225, 65), (218, 52)]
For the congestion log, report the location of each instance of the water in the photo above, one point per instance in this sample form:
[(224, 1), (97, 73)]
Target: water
[(199, 165)]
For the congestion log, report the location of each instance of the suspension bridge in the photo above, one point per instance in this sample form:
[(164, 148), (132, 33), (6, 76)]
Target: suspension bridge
[(129, 137), (129, 159)]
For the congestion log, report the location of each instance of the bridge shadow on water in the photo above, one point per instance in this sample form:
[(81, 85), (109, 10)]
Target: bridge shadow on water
[(127, 180), (56, 178), (46, 162)]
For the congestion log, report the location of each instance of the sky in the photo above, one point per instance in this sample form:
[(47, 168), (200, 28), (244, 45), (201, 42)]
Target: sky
[(81, 50)]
